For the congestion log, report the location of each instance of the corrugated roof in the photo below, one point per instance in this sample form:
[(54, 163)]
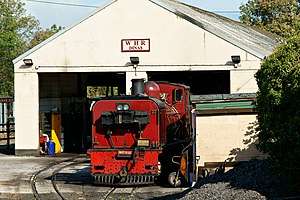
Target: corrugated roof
[(257, 42)]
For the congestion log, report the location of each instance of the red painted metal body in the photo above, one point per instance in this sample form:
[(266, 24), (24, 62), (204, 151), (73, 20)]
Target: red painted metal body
[(132, 135), (145, 161), (104, 157), (125, 133)]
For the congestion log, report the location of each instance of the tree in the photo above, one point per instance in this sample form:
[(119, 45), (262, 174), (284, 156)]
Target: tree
[(18, 33), (16, 29), (42, 35), (281, 17), (278, 106)]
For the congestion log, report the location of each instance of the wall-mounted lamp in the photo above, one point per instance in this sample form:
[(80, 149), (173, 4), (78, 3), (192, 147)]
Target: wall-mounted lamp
[(236, 60), (135, 60), (28, 62)]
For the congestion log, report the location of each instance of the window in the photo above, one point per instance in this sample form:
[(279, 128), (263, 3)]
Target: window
[(176, 95)]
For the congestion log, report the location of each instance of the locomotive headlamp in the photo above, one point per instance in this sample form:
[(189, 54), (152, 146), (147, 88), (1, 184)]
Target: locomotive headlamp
[(126, 107), (122, 106), (143, 143), (119, 107)]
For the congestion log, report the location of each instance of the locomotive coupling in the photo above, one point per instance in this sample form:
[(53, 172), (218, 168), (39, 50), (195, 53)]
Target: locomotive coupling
[(123, 172)]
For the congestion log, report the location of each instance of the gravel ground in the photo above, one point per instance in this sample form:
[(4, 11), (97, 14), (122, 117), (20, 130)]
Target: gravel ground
[(255, 179)]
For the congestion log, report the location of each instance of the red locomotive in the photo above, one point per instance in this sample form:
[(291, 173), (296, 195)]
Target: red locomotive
[(140, 138)]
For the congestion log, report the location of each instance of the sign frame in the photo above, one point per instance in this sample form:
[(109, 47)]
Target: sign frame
[(135, 45)]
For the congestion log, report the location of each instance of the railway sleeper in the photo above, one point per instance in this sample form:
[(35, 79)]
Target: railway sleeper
[(102, 179)]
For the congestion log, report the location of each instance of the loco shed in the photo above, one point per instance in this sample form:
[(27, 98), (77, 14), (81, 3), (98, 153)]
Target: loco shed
[(169, 41)]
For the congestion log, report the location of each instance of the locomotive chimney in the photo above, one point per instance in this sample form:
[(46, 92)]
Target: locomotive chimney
[(137, 86)]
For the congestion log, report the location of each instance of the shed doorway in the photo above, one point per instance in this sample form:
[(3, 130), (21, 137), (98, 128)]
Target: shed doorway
[(65, 103), (200, 82)]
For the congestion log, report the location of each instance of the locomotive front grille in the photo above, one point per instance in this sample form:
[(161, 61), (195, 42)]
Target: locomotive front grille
[(125, 117), (102, 179)]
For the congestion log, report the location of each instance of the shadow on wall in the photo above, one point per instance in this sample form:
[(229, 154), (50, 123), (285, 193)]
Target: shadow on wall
[(245, 181), (250, 151)]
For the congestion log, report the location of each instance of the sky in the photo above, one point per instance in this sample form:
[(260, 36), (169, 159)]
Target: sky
[(62, 13)]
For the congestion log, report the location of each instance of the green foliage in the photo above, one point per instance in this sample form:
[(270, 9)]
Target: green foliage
[(16, 28), (101, 91), (18, 33), (281, 17), (278, 106), (42, 35)]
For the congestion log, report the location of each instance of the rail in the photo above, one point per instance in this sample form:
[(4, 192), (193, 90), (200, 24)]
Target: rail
[(7, 132)]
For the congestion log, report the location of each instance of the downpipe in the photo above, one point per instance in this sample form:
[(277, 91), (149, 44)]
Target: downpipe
[(193, 174)]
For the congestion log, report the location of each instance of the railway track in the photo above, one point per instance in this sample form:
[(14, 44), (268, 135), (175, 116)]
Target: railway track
[(109, 193), (48, 177), (114, 192), (71, 179)]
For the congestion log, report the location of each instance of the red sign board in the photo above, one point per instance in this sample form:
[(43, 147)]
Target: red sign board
[(135, 45)]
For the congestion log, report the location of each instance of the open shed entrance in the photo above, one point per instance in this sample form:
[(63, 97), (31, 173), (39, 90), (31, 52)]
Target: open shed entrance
[(200, 82), (65, 115)]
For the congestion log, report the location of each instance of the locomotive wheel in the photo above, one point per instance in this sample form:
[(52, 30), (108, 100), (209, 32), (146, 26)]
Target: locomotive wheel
[(171, 180)]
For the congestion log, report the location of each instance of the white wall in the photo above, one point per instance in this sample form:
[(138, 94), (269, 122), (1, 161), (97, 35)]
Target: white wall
[(27, 114), (97, 41), (242, 78), (225, 137)]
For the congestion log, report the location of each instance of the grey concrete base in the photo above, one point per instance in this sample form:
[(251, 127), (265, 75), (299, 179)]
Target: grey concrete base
[(27, 152)]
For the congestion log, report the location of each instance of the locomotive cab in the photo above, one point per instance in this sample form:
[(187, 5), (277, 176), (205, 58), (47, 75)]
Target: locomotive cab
[(178, 156)]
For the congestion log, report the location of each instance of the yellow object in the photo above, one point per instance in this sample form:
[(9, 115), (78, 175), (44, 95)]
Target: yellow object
[(143, 143), (56, 130)]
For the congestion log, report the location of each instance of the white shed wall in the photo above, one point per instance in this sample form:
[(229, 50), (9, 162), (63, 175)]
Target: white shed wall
[(97, 41), (27, 114), (94, 45), (226, 137)]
